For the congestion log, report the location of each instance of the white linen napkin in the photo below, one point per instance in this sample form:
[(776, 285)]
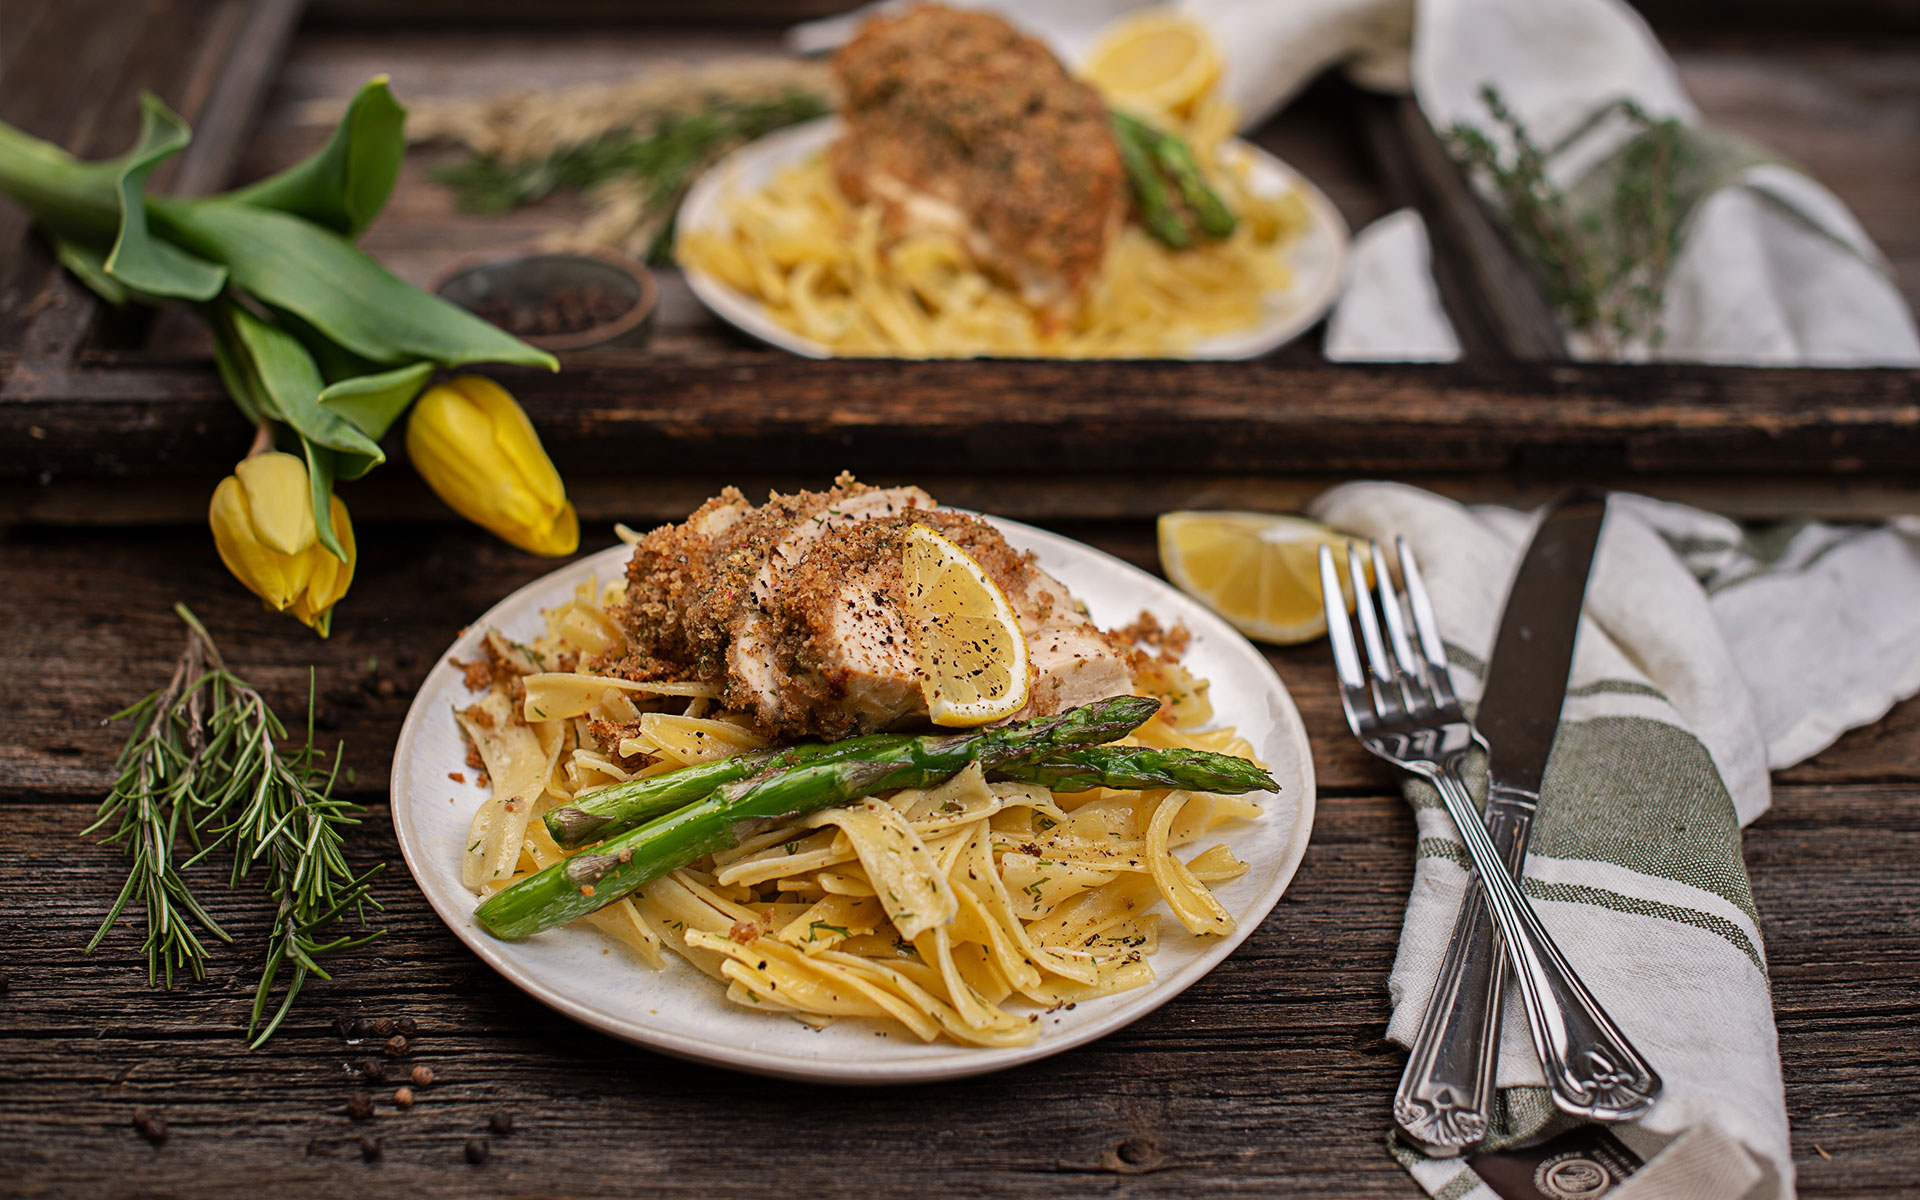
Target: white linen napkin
[(1706, 654), (1391, 311), (1772, 269)]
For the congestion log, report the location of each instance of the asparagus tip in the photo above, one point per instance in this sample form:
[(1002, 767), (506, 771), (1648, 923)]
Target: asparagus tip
[(571, 826)]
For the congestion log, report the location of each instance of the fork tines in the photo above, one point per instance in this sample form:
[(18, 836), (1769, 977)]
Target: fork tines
[(1393, 677)]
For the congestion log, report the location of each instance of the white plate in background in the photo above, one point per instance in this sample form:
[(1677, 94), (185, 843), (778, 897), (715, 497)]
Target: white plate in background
[(1317, 256)]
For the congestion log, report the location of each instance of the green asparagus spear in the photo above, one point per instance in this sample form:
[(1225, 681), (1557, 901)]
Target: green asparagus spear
[(591, 879), (1162, 219), (1130, 767), (1172, 155), (619, 808)]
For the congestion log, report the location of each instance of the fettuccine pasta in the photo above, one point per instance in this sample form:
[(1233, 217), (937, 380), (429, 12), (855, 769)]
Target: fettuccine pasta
[(833, 272), (954, 911)]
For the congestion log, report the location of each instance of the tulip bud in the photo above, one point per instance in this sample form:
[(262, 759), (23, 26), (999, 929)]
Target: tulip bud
[(476, 449), (262, 519)]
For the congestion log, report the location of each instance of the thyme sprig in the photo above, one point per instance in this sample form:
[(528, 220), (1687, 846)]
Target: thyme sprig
[(657, 163), (1601, 250), (206, 767)]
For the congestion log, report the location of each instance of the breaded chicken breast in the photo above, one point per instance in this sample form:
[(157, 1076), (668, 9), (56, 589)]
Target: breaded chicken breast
[(957, 122), (795, 610)]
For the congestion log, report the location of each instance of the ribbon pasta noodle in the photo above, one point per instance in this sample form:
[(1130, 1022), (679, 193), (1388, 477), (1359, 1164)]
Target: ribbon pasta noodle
[(831, 271), (952, 911)]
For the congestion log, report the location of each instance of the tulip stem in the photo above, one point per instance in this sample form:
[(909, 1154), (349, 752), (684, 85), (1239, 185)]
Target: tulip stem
[(262, 440)]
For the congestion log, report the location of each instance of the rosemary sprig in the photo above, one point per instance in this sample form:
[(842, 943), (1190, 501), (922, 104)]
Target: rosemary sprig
[(660, 161), (1601, 251), (206, 767)]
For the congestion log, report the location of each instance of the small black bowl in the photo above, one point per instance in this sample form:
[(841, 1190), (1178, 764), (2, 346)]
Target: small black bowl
[(614, 293)]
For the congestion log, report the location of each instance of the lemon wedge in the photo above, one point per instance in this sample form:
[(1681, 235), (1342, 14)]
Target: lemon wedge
[(1157, 60), (1260, 571), (972, 654)]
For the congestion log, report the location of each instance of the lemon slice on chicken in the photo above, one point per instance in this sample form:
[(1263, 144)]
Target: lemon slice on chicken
[(972, 654), (1158, 60), (1260, 571)]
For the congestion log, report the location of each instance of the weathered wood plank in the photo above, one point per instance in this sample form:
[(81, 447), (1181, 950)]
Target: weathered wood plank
[(88, 618), (640, 499), (210, 61), (744, 411), (414, 590), (1270, 1074)]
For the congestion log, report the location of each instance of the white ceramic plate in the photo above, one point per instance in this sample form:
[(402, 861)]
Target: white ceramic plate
[(1318, 257), (684, 1013)]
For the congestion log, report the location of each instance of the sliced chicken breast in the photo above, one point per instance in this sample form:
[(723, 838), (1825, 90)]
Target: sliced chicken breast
[(795, 610)]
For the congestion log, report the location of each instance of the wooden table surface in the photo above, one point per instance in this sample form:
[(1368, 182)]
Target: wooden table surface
[(1268, 1077)]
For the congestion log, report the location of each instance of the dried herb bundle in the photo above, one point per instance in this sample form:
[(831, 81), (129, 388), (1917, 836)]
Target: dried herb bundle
[(207, 767), (643, 170), (1600, 250)]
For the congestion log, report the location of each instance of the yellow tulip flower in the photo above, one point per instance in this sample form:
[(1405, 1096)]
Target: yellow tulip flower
[(476, 449), (262, 519)]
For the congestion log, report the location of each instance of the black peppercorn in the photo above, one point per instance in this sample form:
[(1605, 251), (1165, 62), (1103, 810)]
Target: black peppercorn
[(360, 1106), (396, 1047), (476, 1150), (370, 1148), (501, 1124), (151, 1127)]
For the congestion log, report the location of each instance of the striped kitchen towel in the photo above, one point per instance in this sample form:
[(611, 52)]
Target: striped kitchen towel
[(1707, 653)]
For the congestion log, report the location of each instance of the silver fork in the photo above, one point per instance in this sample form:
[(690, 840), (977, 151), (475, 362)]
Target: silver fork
[(1403, 710)]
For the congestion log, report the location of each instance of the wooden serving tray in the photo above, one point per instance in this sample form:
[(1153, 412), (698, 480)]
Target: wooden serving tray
[(107, 416)]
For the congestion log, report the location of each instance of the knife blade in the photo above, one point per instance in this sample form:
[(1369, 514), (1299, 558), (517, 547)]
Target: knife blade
[(1527, 676), (1447, 1088)]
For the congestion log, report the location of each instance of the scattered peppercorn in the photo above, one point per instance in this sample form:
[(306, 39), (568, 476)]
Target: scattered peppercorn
[(151, 1127), (360, 1106), (370, 1149), (396, 1047), (476, 1150), (502, 1123), (373, 1071), (421, 1076), (406, 1026), (568, 308), (403, 1097)]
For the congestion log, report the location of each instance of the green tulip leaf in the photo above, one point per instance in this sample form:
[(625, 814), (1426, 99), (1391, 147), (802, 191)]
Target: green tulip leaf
[(322, 464), (375, 402), (335, 361), (291, 385), (236, 371), (89, 266), (346, 184), (138, 259), (290, 263)]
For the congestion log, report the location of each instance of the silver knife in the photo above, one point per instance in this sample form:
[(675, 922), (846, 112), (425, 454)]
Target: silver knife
[(1447, 1087)]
